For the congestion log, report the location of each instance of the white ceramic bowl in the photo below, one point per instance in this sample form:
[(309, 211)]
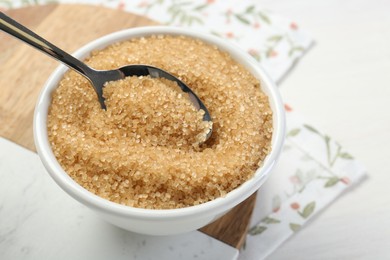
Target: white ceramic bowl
[(147, 221)]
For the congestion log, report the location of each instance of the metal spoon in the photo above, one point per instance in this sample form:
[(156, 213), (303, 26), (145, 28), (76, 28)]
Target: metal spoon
[(97, 77)]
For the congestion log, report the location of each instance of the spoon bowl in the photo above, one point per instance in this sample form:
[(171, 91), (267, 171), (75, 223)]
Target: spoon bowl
[(98, 78)]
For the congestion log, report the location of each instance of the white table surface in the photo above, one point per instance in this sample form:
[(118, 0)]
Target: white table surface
[(342, 86)]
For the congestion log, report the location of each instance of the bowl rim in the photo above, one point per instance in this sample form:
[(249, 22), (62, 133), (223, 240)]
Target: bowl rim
[(213, 207)]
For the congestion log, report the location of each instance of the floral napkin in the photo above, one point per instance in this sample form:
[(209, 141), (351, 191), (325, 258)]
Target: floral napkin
[(312, 172), (274, 41), (313, 169)]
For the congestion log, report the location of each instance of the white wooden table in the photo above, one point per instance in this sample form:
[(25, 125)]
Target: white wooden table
[(343, 87)]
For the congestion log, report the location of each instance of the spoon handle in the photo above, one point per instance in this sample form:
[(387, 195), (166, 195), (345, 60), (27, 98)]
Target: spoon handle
[(17, 30)]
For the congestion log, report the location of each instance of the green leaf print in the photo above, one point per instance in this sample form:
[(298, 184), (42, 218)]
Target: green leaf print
[(264, 17), (216, 33), (346, 156), (331, 182), (268, 220), (255, 55), (185, 14), (333, 149), (250, 9), (200, 7), (275, 38), (295, 49), (257, 230), (248, 16), (294, 227), (242, 19), (309, 208), (293, 132), (196, 20), (312, 129)]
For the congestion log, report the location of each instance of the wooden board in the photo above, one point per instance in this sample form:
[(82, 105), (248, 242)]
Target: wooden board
[(23, 72)]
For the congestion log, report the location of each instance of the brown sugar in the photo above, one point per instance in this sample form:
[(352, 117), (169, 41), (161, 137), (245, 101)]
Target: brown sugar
[(146, 150)]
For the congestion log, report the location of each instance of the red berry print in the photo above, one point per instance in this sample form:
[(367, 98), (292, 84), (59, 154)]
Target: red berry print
[(287, 108), (272, 53), (230, 35), (295, 206), (121, 5), (345, 180), (143, 4), (293, 26)]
